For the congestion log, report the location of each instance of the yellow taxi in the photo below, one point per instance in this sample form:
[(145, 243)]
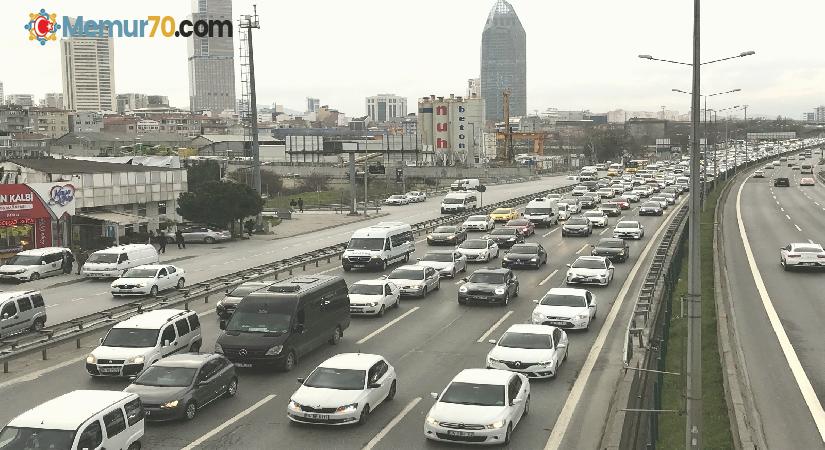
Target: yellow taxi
[(612, 173), (504, 214)]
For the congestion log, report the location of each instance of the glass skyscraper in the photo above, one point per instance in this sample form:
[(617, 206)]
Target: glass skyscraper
[(503, 62), (211, 61)]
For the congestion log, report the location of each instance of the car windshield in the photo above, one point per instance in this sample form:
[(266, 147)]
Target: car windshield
[(582, 263), (627, 225), (366, 244), (445, 230), (477, 219), (521, 248), (518, 223), (330, 378), (24, 260), (611, 243), (551, 299), (131, 338), (366, 289), (473, 244), (140, 273), (651, 205), (438, 257), (503, 232), (587, 198), (537, 211), (807, 249), (453, 201), (397, 197), (487, 278), (474, 394), (594, 214), (576, 221), (103, 258), (18, 438), (262, 316), (166, 376), (501, 211), (406, 274), (526, 340)]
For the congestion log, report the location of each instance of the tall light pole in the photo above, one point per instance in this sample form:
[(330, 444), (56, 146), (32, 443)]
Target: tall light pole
[(248, 23), (693, 376), (727, 141)]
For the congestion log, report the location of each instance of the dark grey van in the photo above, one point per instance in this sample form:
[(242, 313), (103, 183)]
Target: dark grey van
[(278, 325)]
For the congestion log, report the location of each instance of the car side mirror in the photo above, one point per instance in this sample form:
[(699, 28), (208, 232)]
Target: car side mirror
[(465, 279), (593, 245), (101, 341), (222, 324), (569, 265), (384, 277), (516, 401), (536, 301), (166, 343), (5, 316), (562, 345), (227, 291), (374, 385), (43, 263), (418, 259), (301, 381), (434, 395)]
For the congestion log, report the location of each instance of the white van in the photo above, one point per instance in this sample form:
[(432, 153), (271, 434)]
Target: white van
[(35, 264), (20, 311), (456, 202), (542, 212), (683, 182), (378, 245), (114, 261), (77, 420), (141, 340), (465, 184)]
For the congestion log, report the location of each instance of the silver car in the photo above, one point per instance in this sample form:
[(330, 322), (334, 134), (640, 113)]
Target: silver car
[(203, 234)]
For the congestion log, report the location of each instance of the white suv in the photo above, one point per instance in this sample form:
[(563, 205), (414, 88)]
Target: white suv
[(144, 339)]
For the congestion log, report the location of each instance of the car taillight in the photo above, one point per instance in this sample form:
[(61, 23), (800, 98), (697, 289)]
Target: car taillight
[(820, 256)]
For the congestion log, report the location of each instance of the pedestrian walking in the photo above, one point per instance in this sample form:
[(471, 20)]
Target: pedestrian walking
[(82, 256), (249, 225), (293, 203), (179, 239), (161, 241), (151, 239), (68, 261), (300, 204)]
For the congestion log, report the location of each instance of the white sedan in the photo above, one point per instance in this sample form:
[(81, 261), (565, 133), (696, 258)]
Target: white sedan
[(343, 390), (534, 350), (566, 308), (629, 229), (481, 406), (373, 297), (416, 196), (148, 280), (397, 200), (590, 269), (479, 223), (631, 197), (597, 217), (479, 249), (446, 262), (801, 254), (414, 280)]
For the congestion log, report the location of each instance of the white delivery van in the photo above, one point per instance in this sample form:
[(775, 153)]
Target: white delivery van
[(113, 262), (683, 182), (456, 202), (377, 246), (35, 264), (86, 419), (465, 184), (542, 212)]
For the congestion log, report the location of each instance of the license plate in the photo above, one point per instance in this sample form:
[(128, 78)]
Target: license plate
[(557, 323), (243, 365), (317, 416), (358, 265), (459, 433), (110, 370)]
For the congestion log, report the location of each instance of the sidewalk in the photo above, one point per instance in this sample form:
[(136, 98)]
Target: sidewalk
[(311, 221)]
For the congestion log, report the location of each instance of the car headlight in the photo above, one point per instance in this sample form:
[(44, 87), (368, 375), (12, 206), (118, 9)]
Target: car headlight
[(462, 289), (274, 350), (500, 291), (511, 239), (169, 405), (136, 360), (352, 407), (496, 425), (431, 421), (492, 360), (218, 348), (372, 304), (582, 316), (91, 359), (429, 236), (537, 316), (294, 406), (534, 259), (141, 285)]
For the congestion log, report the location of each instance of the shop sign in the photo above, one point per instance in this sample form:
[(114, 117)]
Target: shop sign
[(58, 197), (17, 201)]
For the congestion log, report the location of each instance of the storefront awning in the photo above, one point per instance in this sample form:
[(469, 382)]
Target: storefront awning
[(120, 218)]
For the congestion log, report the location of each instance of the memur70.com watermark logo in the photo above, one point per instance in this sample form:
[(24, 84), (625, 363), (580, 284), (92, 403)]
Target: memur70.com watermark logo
[(43, 27)]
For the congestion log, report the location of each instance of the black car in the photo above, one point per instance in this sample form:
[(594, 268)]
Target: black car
[(489, 286), (447, 235), (506, 237), (612, 209), (587, 202), (577, 226), (178, 386), (651, 209), (226, 306), (781, 182), (525, 255), (614, 249)]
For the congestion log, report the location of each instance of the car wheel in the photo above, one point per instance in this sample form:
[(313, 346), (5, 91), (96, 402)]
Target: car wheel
[(289, 362), (181, 283), (337, 334), (391, 394), (232, 389), (209, 240), (527, 406), (381, 311), (37, 325), (153, 292), (134, 446), (191, 411), (462, 302), (507, 436), (346, 268), (515, 294), (452, 274), (35, 276), (365, 413), (497, 252), (397, 302), (406, 257)]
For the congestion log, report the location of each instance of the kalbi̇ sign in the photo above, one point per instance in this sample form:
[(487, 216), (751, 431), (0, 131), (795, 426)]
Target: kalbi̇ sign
[(18, 201)]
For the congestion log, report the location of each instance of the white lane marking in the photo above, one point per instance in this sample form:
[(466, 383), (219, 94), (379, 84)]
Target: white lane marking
[(38, 373), (603, 232), (395, 420), (810, 241), (330, 270), (789, 217), (420, 241), (802, 380), (51, 306), (389, 324), (582, 249), (548, 277), (101, 293), (774, 197), (777, 202), (562, 242), (550, 232), (204, 314), (797, 227), (566, 414), (229, 422), (816, 203), (782, 209), (495, 325)]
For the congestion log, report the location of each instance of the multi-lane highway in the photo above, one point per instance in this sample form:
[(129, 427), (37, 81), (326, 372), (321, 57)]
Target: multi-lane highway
[(427, 340), (778, 314)]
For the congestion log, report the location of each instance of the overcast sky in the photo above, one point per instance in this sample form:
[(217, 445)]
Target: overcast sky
[(580, 54)]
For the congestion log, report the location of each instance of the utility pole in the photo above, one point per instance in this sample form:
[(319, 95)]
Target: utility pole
[(366, 174), (508, 151), (693, 428), (248, 23), (747, 159), (353, 211)]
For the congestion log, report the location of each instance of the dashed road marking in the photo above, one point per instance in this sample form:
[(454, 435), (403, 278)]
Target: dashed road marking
[(495, 325), (550, 232), (548, 277), (229, 422), (384, 431), (797, 227), (582, 249), (789, 217), (389, 324)]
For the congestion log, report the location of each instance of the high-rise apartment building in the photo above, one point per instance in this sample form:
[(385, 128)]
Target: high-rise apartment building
[(503, 62), (473, 87), (211, 61), (2, 98), (819, 113), (313, 104), (386, 107), (52, 100), (87, 66), (131, 102), (20, 99)]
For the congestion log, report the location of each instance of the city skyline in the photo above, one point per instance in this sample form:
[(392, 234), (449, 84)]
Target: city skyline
[(596, 68), (503, 62)]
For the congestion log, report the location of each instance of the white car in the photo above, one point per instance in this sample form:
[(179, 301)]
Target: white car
[(416, 196), (479, 223), (415, 280), (534, 350), (662, 201), (606, 192), (631, 197), (481, 406), (373, 297), (148, 279), (553, 197), (344, 389), (597, 217), (629, 229), (580, 190), (759, 174), (590, 269), (566, 308), (479, 249), (446, 262), (397, 200), (800, 255), (642, 191)]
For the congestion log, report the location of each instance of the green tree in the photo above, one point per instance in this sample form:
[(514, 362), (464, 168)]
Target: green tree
[(202, 173), (220, 203)]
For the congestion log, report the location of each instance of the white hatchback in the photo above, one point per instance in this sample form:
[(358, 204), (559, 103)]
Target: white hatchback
[(565, 308), (148, 280), (373, 297)]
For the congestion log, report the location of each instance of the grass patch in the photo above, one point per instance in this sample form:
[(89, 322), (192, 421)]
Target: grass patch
[(716, 423)]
